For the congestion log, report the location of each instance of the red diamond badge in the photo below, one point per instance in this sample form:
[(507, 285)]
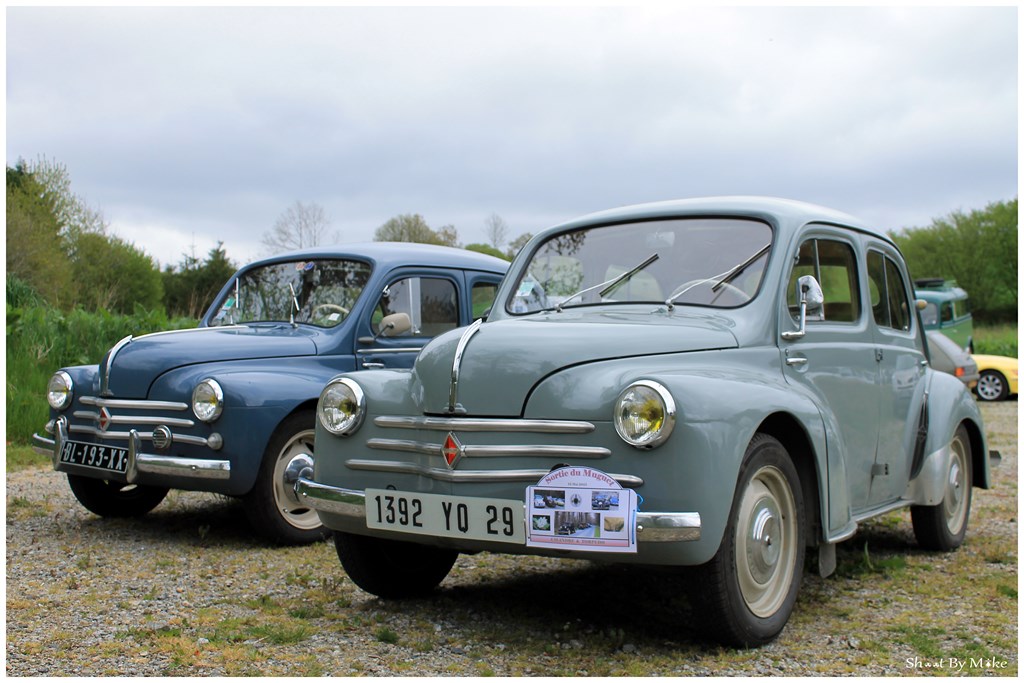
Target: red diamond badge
[(451, 450), (105, 419)]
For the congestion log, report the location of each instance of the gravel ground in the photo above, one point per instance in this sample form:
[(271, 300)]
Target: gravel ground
[(186, 591)]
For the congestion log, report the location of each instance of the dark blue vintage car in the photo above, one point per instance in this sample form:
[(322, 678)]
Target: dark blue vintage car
[(224, 407)]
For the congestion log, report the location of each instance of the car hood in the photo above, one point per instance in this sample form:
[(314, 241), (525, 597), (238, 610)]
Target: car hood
[(504, 360), (136, 364)]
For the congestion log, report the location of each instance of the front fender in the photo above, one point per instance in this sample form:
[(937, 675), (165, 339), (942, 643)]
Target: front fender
[(721, 402), (258, 396)]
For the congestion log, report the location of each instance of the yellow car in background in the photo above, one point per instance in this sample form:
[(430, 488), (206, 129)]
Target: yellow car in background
[(998, 378)]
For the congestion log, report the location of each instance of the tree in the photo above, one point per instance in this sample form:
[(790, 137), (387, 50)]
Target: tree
[(413, 228), (190, 288), (73, 214), (36, 249), (497, 230), (486, 249), (114, 275), (518, 243), (978, 249), (301, 226)]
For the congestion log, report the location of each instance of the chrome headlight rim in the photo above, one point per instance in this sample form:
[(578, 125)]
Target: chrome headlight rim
[(205, 409), (66, 393), (354, 397), (653, 438)]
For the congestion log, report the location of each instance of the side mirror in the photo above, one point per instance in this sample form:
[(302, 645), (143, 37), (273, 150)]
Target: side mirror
[(812, 305), (394, 325), (921, 304)]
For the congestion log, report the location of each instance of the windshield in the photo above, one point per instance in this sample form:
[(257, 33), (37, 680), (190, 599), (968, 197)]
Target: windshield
[(318, 292), (715, 262)]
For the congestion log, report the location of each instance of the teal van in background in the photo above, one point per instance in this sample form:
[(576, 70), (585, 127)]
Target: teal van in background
[(947, 310)]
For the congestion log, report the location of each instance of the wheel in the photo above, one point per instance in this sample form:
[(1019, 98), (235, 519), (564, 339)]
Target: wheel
[(272, 506), (992, 386), (114, 499), (943, 526), (393, 569), (749, 587)]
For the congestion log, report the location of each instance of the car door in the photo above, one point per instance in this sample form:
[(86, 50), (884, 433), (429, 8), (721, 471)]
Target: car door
[(835, 359), (434, 302), (901, 363)]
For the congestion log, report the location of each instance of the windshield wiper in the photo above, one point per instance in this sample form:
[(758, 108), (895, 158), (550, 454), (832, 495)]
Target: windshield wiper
[(295, 302), (610, 286), (722, 278)]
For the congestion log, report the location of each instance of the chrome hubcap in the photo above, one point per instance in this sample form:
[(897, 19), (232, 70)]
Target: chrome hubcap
[(766, 541), (955, 503), (288, 504)]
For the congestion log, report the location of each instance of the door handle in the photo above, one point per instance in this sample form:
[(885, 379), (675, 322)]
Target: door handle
[(372, 366), (795, 361)]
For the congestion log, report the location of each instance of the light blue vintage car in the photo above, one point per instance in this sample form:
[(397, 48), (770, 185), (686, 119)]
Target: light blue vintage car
[(722, 383), (224, 407)]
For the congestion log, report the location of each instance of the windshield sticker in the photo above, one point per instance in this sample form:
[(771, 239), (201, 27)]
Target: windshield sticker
[(583, 509)]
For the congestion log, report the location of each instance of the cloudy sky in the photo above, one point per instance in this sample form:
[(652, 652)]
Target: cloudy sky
[(187, 126)]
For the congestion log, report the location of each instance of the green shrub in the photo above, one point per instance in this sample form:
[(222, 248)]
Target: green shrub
[(41, 340), (996, 340)]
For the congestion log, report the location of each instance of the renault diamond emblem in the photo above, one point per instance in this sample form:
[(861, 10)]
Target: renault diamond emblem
[(105, 419), (451, 450)]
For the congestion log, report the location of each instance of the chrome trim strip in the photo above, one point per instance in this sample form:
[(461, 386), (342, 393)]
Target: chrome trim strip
[(447, 424), (42, 445), (453, 393), (136, 419), (477, 476), (375, 351), (652, 527), (123, 436), (132, 404), (491, 451), (108, 362)]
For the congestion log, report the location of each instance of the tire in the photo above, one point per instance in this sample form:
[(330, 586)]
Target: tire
[(393, 569), (273, 509), (115, 499), (749, 588), (942, 527), (992, 386)]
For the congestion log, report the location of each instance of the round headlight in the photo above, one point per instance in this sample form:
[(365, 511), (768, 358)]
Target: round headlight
[(341, 407), (207, 400), (645, 414), (59, 391)]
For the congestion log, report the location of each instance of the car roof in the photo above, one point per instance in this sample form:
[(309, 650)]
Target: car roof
[(783, 212), (389, 254)]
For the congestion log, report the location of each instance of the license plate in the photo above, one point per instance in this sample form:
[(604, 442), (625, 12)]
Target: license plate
[(98, 456), (431, 514)]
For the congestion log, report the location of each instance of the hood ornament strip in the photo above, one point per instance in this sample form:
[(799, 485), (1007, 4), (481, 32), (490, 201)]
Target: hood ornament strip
[(108, 363), (453, 394)]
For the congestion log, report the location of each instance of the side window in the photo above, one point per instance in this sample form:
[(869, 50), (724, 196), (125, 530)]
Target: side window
[(431, 303), (833, 265), (889, 304), (483, 298), (947, 312), (930, 314)]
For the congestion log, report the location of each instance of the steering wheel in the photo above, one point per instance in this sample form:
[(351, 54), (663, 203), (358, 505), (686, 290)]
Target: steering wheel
[(319, 311)]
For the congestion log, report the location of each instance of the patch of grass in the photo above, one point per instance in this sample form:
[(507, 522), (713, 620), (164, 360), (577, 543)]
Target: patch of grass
[(923, 640), (20, 457), (996, 340), (386, 635), (1007, 591)]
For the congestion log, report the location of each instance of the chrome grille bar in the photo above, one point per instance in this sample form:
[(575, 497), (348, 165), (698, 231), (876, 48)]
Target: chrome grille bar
[(446, 424), (136, 419), (491, 451), (131, 404)]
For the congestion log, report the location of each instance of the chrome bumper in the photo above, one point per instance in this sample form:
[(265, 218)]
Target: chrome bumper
[(652, 527), (138, 461)]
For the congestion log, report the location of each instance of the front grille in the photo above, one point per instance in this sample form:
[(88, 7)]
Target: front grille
[(434, 450), (124, 415)]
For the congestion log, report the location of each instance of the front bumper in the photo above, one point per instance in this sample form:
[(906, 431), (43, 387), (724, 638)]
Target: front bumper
[(138, 462), (652, 527)]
